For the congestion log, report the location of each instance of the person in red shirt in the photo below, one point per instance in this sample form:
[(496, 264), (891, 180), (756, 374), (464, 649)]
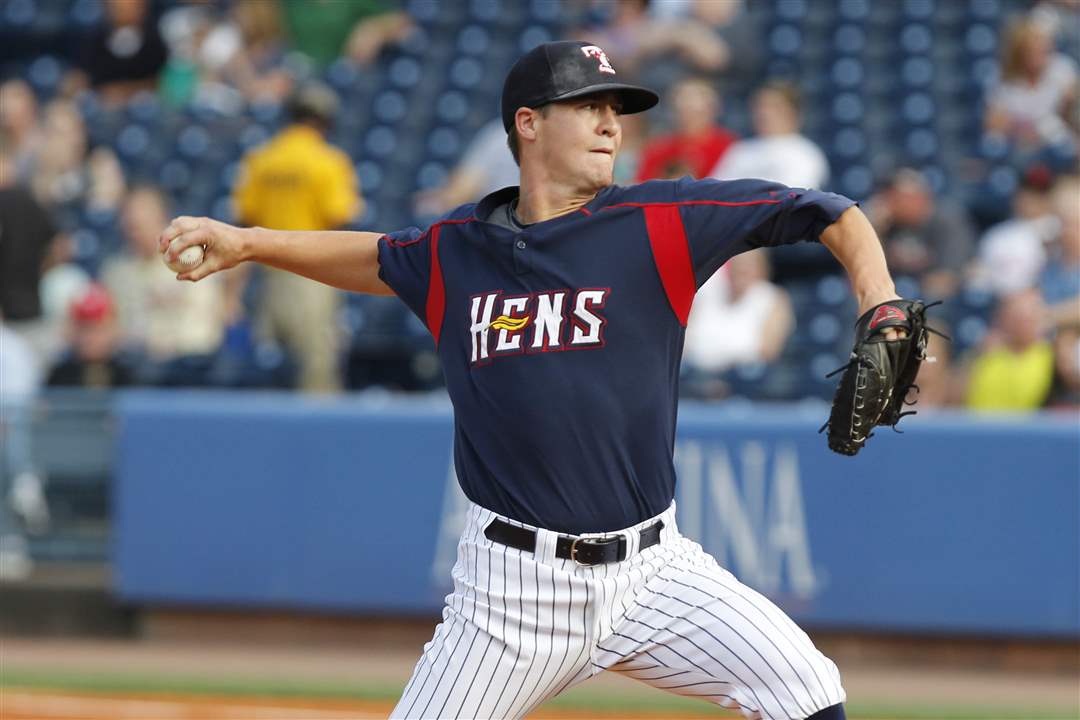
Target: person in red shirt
[(697, 143)]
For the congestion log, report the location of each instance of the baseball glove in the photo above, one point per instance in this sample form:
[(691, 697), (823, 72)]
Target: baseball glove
[(874, 388)]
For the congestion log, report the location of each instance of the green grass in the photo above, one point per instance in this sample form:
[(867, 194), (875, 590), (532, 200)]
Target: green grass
[(181, 684), (599, 700)]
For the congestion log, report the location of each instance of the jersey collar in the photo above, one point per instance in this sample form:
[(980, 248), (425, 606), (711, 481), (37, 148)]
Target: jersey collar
[(485, 207)]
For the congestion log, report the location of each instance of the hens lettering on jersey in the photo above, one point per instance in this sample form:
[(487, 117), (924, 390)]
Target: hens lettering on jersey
[(549, 321)]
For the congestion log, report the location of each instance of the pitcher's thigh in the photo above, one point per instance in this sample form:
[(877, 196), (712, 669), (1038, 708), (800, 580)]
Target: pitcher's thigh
[(705, 634), (465, 672)]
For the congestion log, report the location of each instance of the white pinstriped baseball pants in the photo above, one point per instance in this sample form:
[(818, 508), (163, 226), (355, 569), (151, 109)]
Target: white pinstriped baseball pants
[(521, 627)]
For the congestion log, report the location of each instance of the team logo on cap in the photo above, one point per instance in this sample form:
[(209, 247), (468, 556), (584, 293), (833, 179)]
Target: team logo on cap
[(595, 52)]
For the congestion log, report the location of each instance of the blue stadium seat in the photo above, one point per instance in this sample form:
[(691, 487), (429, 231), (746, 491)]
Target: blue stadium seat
[(917, 72), (857, 182), (918, 108), (451, 107), (422, 10), (988, 10), (825, 330), (918, 9), (132, 141), (86, 13), (404, 72), (175, 175), (848, 142), (832, 291), (916, 39), (444, 142), (144, 108), (853, 10), (907, 286), (380, 141), (791, 10), (193, 141), (20, 13), (847, 72), (369, 173), (342, 75), (921, 144), (545, 11), (431, 174), (44, 75), (473, 39), (785, 40), (389, 106), (848, 107)]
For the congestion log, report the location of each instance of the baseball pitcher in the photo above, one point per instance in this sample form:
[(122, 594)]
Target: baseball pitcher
[(558, 308)]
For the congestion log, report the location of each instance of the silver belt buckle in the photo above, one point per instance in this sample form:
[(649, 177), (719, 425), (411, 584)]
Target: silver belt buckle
[(574, 548), (573, 552)]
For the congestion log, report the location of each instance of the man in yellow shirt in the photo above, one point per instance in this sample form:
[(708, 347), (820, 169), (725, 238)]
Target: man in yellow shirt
[(298, 181), (1015, 370)]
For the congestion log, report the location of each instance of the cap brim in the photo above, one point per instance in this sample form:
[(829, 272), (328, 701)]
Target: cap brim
[(635, 99)]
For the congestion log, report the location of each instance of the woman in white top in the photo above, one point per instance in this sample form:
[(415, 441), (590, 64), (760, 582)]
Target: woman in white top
[(1036, 86), (778, 152), (738, 317)]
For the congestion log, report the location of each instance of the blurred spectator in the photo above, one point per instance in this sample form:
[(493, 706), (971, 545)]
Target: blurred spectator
[(1036, 85), (67, 179), (297, 181), (20, 368), (221, 61), (1060, 279), (125, 55), (1015, 366), (325, 30), (27, 236), (1065, 389), (927, 238), (1061, 18), (716, 39), (738, 317), (94, 358), (158, 316), (19, 123), (21, 494), (666, 41), (62, 281), (935, 380), (1012, 253), (698, 142), (486, 167), (778, 152)]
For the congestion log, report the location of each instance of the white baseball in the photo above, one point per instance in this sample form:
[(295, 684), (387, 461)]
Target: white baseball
[(189, 259)]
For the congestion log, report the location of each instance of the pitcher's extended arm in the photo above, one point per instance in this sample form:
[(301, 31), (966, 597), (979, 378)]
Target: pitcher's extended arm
[(346, 260)]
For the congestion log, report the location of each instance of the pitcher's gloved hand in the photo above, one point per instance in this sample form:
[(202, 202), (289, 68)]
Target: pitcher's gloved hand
[(876, 381)]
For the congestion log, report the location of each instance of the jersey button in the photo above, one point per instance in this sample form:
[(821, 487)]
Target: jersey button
[(520, 244)]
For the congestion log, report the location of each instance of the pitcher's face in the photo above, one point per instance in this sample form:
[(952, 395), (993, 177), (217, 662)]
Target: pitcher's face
[(578, 140)]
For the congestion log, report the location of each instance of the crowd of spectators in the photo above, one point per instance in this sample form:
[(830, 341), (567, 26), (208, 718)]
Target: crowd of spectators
[(125, 321)]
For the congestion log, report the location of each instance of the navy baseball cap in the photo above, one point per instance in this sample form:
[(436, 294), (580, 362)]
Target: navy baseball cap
[(564, 70)]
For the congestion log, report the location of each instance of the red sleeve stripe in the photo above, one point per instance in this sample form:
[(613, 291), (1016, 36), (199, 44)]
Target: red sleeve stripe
[(436, 296), (671, 252), (695, 202)]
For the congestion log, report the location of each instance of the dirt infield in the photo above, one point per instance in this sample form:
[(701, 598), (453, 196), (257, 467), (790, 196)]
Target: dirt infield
[(71, 679), (52, 705)]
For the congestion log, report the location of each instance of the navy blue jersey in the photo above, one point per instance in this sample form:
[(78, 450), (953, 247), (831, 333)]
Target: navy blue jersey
[(561, 342)]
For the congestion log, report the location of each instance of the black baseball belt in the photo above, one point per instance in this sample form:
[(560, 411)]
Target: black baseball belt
[(582, 550)]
